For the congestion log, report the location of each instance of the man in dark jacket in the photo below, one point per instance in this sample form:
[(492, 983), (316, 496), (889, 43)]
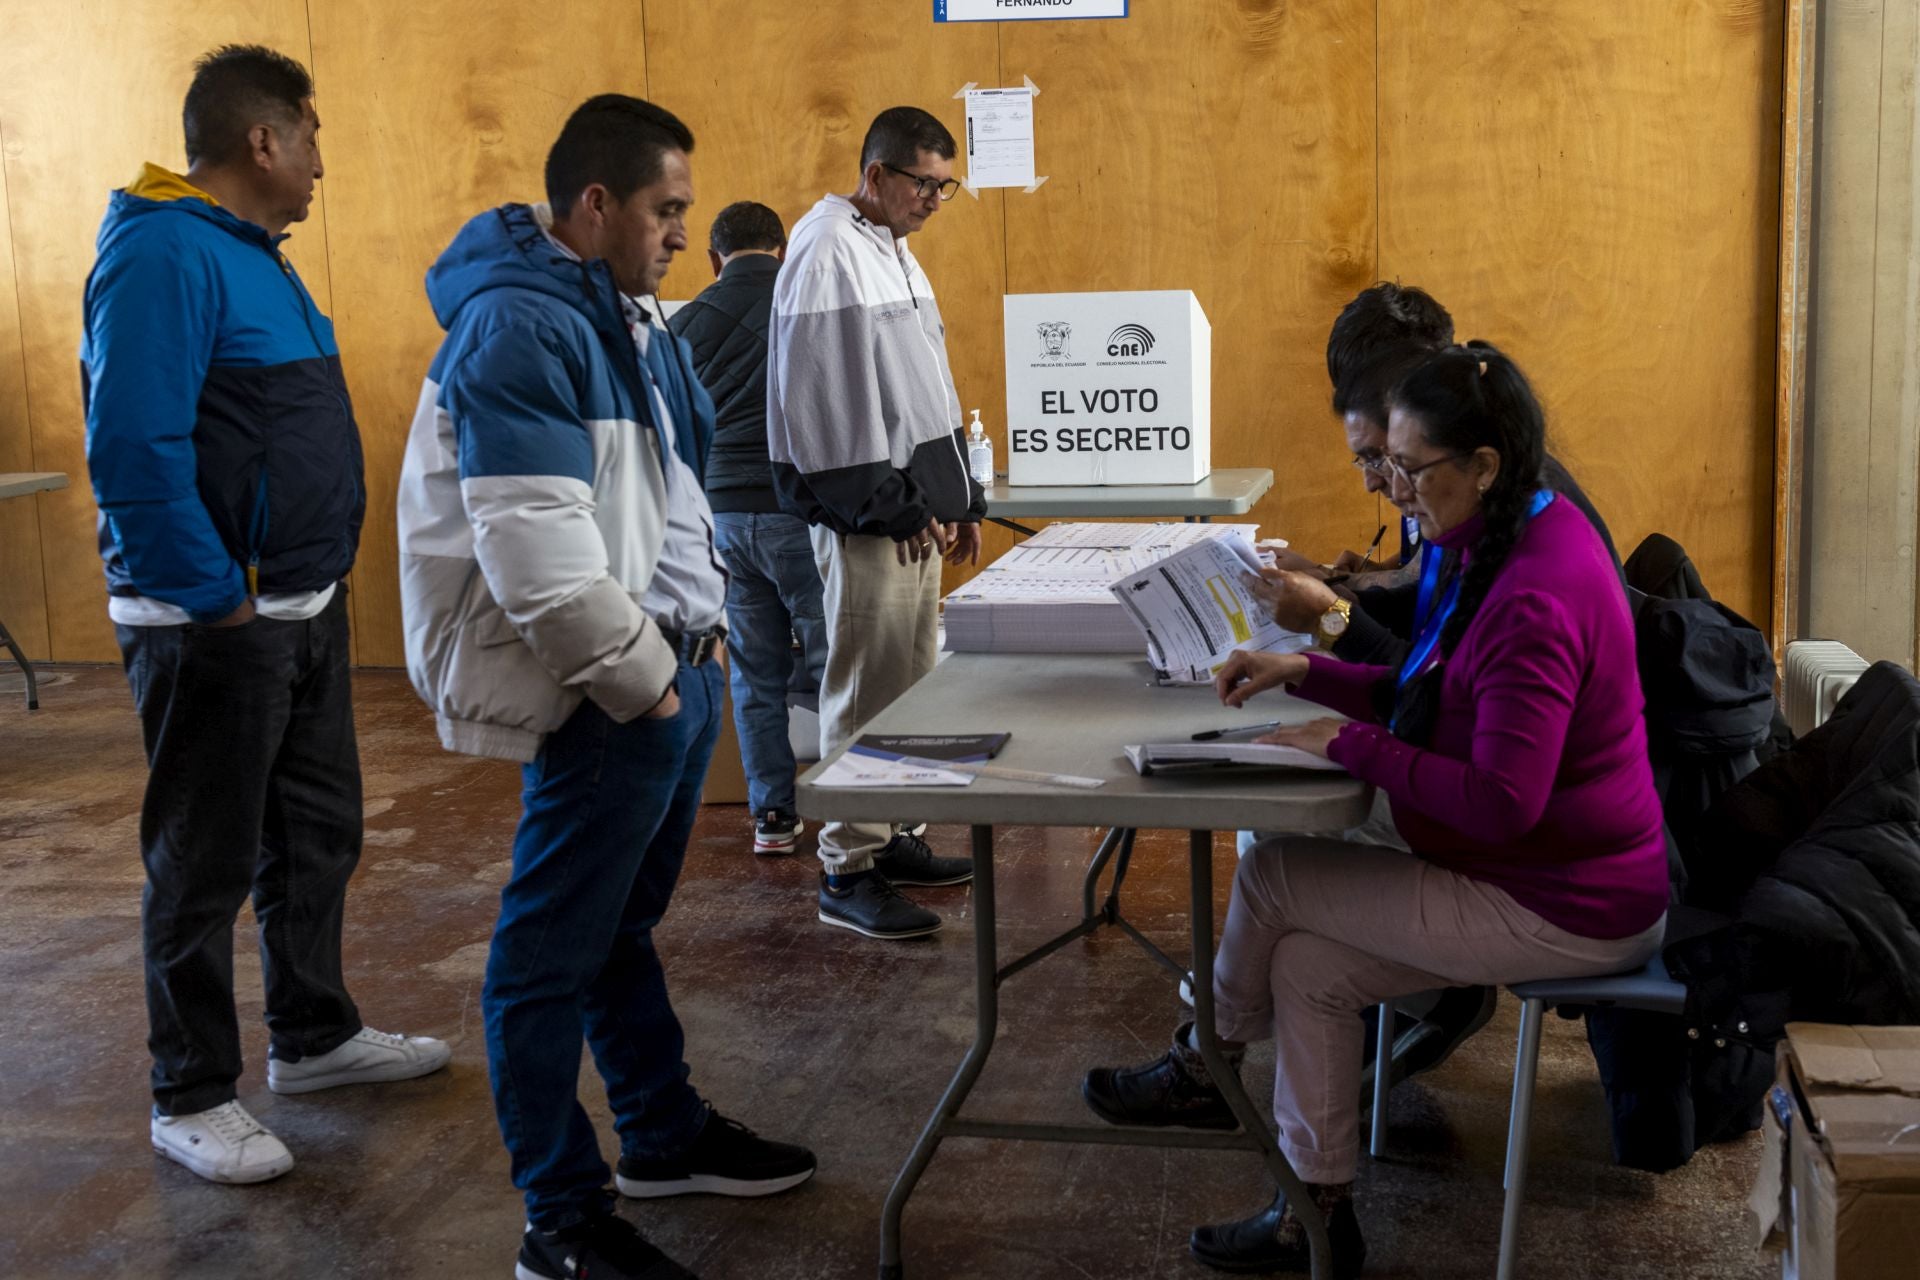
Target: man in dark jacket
[(227, 467), (773, 588)]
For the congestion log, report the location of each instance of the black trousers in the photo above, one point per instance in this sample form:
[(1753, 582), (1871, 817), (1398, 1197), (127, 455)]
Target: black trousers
[(253, 788)]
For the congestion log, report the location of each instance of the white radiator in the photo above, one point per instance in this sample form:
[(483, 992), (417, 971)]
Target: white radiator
[(1819, 673)]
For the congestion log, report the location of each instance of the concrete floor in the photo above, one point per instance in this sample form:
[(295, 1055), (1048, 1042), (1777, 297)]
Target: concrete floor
[(804, 1032)]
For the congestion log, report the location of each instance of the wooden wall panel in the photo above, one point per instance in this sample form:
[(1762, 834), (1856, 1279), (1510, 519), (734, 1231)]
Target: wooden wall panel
[(1596, 189), (1610, 215), (423, 132), (1863, 457), (88, 90), (1227, 149), (780, 118), (23, 590)]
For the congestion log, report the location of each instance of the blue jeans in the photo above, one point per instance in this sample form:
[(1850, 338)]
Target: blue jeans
[(607, 810), (773, 595)]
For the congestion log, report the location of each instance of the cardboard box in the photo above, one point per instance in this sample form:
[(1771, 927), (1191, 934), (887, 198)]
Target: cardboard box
[(1108, 388), (1839, 1183)]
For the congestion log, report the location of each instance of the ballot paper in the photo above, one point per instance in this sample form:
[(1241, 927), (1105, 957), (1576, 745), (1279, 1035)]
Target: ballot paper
[(1119, 535), (1000, 137), (1050, 593), (858, 769), (1195, 609)]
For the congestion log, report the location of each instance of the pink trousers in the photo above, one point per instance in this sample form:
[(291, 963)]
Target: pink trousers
[(1320, 929)]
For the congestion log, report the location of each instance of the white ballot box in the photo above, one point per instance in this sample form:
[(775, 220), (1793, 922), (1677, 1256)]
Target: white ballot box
[(1108, 388)]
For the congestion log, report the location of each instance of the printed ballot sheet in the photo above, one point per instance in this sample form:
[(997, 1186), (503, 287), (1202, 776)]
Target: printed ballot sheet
[(1196, 608), (857, 768), (1000, 137)]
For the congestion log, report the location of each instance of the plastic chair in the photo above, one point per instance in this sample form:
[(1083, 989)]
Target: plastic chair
[(1650, 987)]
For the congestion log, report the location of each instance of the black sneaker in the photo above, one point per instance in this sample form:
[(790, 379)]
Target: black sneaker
[(1273, 1240), (1171, 1092), (775, 831), (908, 860), (727, 1159), (870, 904), (604, 1248)]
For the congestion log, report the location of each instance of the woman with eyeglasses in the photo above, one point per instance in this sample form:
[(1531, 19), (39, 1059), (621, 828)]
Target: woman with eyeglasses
[(1511, 744)]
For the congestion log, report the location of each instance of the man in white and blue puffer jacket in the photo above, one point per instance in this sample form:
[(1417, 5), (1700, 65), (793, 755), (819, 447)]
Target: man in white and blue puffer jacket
[(562, 602)]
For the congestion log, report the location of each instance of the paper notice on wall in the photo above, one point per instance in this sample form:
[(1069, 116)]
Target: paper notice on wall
[(1000, 137), (1025, 10), (1195, 608)]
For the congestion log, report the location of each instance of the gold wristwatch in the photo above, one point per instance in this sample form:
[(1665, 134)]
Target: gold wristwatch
[(1333, 623)]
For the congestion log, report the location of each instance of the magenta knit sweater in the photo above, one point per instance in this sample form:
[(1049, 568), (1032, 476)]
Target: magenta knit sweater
[(1536, 778)]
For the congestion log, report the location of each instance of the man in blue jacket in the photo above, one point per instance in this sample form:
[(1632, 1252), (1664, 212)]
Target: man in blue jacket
[(563, 602), (227, 468)]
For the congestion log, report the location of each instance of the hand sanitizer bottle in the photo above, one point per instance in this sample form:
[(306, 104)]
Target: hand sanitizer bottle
[(980, 453)]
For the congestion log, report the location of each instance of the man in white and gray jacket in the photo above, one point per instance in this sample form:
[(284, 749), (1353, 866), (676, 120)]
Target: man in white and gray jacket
[(562, 601), (864, 432)]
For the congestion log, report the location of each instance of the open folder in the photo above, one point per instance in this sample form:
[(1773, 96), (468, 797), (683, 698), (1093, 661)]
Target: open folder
[(1190, 757)]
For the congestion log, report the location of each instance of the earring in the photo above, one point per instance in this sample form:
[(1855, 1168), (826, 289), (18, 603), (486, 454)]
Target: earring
[(1483, 490)]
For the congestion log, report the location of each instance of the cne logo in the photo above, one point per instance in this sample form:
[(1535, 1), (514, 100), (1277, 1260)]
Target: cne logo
[(1130, 340)]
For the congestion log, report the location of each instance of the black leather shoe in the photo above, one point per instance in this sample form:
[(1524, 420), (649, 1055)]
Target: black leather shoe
[(1171, 1092), (1272, 1242), (871, 905), (908, 860), (1421, 1044), (1459, 1013)]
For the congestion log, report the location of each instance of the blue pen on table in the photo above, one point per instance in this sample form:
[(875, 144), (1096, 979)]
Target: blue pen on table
[(1210, 735)]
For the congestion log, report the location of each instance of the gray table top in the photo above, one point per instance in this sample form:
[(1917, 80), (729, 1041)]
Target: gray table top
[(1228, 492), (1072, 713), (18, 484)]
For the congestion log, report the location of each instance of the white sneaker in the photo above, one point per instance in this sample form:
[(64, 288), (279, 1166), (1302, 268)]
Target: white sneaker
[(225, 1144), (371, 1057)]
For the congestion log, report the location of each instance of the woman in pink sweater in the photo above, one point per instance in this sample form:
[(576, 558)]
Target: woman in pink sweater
[(1511, 746)]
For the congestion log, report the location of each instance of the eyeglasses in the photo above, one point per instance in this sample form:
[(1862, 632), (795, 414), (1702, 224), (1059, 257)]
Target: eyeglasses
[(1410, 476), (925, 186), (1374, 464)]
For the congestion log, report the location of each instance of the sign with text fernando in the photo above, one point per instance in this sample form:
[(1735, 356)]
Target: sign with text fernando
[(1108, 388), (1016, 10)]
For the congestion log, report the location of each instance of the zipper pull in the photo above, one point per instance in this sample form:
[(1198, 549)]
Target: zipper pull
[(253, 578)]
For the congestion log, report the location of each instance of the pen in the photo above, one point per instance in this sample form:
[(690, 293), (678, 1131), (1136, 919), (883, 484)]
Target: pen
[(1208, 735), (1373, 546)]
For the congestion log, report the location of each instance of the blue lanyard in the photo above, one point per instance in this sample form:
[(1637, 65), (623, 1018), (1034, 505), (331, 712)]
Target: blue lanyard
[(1430, 621)]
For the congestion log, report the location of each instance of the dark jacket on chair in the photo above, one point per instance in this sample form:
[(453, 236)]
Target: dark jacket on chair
[(1803, 903)]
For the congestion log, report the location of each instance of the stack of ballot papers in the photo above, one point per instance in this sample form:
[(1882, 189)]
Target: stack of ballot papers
[(1050, 594), (1194, 608)]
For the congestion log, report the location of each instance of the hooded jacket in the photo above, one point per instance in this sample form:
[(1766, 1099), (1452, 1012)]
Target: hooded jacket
[(220, 438), (533, 496), (863, 423)]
